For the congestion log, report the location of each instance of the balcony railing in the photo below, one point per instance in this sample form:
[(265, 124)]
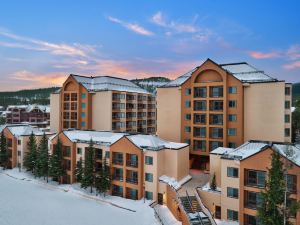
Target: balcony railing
[(118, 178), (131, 163), (132, 180), (117, 193), (118, 161)]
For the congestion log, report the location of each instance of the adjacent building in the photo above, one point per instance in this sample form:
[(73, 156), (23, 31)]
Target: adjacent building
[(217, 105), (17, 137), (241, 175), (102, 103), (136, 161), (36, 115)]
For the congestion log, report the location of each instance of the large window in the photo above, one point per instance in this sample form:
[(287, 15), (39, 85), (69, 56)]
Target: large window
[(118, 174), (199, 145), (216, 119), (199, 105), (292, 183), (199, 118), (216, 132), (232, 192), (216, 105), (255, 178), (215, 144), (216, 92), (117, 158), (232, 172), (250, 220), (252, 199), (232, 215), (149, 160), (200, 132), (200, 92)]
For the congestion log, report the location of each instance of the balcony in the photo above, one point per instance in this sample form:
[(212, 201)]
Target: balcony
[(132, 163), (118, 162), (117, 193), (118, 178), (132, 180)]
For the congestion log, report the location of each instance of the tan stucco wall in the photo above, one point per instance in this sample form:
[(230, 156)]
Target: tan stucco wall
[(169, 113), (210, 199), (215, 168), (102, 110), (264, 111), (54, 112)]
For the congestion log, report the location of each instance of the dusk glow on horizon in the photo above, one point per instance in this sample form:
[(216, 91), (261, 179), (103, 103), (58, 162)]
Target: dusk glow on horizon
[(41, 43)]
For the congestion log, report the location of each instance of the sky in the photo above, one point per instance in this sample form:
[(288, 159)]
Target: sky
[(42, 42)]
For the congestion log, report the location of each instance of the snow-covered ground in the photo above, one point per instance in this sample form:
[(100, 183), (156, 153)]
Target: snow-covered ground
[(24, 200)]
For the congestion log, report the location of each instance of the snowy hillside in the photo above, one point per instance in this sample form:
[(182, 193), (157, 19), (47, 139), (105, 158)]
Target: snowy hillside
[(151, 83)]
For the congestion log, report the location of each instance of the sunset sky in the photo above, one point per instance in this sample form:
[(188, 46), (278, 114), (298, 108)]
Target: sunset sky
[(41, 42)]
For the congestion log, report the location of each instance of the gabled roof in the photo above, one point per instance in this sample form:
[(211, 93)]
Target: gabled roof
[(251, 148), (241, 71), (29, 108), (23, 130), (108, 83)]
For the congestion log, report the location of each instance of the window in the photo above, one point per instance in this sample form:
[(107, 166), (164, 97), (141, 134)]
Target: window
[(188, 141), (83, 95), (215, 144), (232, 192), (107, 154), (200, 105), (187, 129), (83, 124), (287, 91), (232, 104), (19, 142), (73, 97), (232, 117), (79, 151), (149, 195), (231, 131), (83, 105), (200, 92), (252, 199), (292, 183), (232, 215), (118, 174), (231, 144), (250, 220), (287, 105), (216, 105), (19, 153), (216, 132), (199, 118), (232, 90), (199, 145), (200, 132), (287, 118), (187, 104), (287, 132), (83, 114), (117, 158), (216, 119), (232, 172), (149, 160), (188, 91), (216, 92), (149, 177), (255, 178), (188, 116)]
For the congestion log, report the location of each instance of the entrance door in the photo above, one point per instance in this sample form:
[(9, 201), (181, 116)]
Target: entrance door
[(218, 212), (160, 198)]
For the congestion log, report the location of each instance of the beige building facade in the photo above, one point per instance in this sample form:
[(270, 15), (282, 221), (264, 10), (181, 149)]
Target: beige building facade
[(102, 103), (218, 105)]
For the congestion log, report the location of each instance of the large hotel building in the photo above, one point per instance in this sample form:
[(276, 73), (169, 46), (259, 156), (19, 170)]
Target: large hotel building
[(223, 105), (102, 103)]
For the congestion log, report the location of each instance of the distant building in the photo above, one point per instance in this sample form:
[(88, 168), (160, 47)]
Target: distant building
[(137, 162), (17, 137), (102, 103), (36, 115), (217, 105), (241, 175)]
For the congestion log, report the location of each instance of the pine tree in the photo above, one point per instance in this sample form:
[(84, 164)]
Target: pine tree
[(30, 159), (3, 152), (103, 179), (89, 167), (43, 158), (213, 185), (79, 170), (270, 209), (56, 168)]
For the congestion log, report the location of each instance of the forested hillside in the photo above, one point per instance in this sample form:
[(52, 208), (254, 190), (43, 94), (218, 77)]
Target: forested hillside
[(151, 83), (296, 92)]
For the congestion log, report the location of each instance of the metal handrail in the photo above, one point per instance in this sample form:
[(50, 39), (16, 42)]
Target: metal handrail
[(189, 200)]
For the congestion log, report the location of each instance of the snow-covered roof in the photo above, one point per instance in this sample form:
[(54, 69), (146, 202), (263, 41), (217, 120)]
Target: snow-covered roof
[(247, 73), (290, 151), (24, 130), (152, 142), (29, 108), (242, 71), (98, 137), (107, 83), (172, 182)]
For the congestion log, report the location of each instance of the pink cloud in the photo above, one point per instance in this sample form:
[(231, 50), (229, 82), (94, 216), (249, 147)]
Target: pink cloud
[(264, 55), (291, 66)]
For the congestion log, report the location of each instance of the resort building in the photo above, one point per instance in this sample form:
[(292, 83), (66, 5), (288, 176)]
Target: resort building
[(102, 103), (241, 175), (17, 137), (137, 162), (225, 105), (36, 115)]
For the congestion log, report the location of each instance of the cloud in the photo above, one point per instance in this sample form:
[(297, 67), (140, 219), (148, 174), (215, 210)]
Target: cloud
[(264, 55), (131, 26), (40, 45), (160, 20), (291, 66), (294, 52)]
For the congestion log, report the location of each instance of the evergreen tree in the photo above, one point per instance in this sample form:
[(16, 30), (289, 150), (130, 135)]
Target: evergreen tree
[(79, 170), (270, 209), (43, 158), (89, 167), (103, 179), (56, 168), (30, 159), (3, 152), (213, 185)]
